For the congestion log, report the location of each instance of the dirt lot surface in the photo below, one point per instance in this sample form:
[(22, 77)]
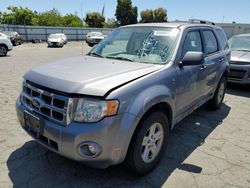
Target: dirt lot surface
[(207, 149)]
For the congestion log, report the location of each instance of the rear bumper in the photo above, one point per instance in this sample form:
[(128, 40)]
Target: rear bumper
[(113, 134), (239, 74)]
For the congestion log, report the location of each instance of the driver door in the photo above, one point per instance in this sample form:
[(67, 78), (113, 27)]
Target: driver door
[(189, 78)]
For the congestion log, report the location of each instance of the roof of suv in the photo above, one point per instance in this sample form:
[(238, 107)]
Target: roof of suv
[(170, 24)]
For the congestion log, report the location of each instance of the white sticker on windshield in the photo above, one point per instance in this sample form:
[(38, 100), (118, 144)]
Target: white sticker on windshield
[(165, 33)]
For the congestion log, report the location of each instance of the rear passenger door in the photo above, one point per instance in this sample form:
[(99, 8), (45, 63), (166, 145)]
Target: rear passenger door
[(213, 57)]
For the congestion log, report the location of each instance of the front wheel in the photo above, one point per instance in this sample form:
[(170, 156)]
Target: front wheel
[(148, 144), (216, 102), (3, 50)]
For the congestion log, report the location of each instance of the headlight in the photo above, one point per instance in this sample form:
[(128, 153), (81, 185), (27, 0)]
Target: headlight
[(93, 110)]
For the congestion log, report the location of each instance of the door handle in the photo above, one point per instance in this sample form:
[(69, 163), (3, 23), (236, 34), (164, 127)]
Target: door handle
[(203, 67)]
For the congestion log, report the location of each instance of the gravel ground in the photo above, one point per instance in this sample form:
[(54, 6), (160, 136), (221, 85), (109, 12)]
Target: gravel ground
[(206, 149)]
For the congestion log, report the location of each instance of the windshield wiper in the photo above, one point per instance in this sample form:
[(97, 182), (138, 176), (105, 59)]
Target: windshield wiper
[(119, 58), (95, 54)]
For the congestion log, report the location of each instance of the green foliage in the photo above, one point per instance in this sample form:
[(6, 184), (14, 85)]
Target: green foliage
[(94, 19), (71, 20), (160, 15), (157, 15), (147, 16), (50, 18), (110, 23), (126, 13), (25, 16), (17, 16)]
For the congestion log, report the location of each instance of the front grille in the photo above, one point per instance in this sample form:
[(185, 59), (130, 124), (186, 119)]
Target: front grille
[(52, 106), (238, 74), (240, 62)]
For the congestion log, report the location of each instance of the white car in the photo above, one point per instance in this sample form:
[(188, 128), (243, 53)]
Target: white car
[(3, 35), (5, 45), (57, 39), (93, 38)]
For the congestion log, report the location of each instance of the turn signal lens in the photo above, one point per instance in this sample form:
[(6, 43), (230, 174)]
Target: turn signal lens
[(112, 107)]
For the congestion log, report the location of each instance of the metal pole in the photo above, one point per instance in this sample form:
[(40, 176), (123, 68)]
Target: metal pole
[(82, 25)]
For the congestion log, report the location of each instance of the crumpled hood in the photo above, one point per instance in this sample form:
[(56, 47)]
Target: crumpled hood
[(88, 75), (240, 56)]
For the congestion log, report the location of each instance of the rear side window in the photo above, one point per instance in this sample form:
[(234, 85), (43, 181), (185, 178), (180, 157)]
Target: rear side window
[(223, 39), (211, 45)]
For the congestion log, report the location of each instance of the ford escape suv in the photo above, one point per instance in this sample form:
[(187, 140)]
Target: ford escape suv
[(120, 102)]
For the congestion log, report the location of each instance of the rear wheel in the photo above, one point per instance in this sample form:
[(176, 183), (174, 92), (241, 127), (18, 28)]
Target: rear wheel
[(3, 50), (14, 42), (148, 144), (216, 102)]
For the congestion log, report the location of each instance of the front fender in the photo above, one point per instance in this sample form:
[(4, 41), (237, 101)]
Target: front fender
[(149, 97), (137, 108)]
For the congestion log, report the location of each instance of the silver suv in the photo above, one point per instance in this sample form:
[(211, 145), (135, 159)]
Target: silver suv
[(120, 102), (240, 59)]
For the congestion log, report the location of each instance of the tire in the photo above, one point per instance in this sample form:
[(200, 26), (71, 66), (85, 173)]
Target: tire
[(3, 50), (140, 161), (90, 44), (216, 102), (14, 43)]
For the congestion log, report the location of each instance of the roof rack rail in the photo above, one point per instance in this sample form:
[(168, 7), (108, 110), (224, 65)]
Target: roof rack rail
[(201, 21)]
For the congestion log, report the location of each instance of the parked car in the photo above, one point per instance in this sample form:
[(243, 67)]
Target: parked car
[(93, 38), (15, 38), (5, 45), (57, 39), (120, 102), (240, 59), (3, 35)]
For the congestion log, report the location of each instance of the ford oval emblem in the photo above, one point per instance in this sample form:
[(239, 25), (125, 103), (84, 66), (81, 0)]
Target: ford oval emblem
[(37, 102)]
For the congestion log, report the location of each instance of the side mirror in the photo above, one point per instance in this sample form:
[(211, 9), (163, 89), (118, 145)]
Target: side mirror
[(192, 58)]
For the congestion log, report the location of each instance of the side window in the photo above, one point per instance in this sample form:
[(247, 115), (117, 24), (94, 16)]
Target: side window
[(211, 45), (192, 42), (223, 39)]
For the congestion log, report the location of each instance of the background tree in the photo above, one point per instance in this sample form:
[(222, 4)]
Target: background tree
[(95, 19), (160, 15), (50, 18), (110, 23), (17, 16), (71, 20), (147, 16), (126, 13), (157, 15)]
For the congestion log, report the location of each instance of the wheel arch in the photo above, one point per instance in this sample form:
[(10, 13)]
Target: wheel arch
[(2, 44), (163, 107)]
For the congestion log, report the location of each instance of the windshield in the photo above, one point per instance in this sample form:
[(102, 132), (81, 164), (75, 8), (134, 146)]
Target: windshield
[(141, 44), (55, 36), (241, 43)]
